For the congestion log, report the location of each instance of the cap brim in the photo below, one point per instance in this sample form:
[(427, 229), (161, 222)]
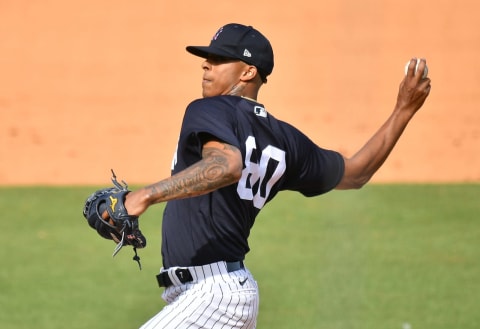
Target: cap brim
[(202, 51)]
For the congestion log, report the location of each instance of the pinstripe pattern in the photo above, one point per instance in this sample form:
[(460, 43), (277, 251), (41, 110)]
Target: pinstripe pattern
[(215, 299)]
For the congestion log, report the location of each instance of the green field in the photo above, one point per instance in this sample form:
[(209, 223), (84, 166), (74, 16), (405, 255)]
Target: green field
[(384, 257)]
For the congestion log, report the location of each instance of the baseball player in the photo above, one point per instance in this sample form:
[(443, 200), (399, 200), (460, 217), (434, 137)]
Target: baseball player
[(233, 157)]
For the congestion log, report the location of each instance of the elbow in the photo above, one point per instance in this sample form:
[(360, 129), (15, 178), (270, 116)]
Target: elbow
[(359, 183), (236, 166), (355, 176), (235, 172), (353, 183)]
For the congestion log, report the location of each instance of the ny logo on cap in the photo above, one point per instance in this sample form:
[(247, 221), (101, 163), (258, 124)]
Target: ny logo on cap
[(218, 33)]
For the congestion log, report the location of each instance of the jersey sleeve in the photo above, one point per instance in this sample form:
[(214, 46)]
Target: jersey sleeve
[(317, 170)]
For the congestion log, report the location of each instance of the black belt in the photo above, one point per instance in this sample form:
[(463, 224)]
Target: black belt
[(184, 275)]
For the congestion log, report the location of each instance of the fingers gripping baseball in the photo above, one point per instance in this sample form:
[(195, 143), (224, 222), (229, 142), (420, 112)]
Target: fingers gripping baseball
[(415, 87)]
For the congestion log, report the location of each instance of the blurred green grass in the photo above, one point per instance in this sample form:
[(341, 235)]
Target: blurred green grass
[(387, 256)]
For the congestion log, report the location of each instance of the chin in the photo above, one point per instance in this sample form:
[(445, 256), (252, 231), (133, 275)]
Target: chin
[(206, 94)]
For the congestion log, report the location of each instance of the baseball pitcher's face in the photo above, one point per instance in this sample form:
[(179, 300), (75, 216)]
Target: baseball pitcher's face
[(222, 76)]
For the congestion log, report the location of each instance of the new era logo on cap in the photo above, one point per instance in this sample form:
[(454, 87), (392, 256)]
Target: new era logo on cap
[(246, 53)]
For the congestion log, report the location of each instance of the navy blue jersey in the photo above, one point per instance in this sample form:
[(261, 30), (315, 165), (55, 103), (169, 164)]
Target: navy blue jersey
[(277, 156)]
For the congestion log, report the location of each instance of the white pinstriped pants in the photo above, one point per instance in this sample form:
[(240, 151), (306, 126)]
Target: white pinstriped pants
[(214, 299)]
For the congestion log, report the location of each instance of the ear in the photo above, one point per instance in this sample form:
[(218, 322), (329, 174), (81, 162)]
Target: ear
[(249, 74)]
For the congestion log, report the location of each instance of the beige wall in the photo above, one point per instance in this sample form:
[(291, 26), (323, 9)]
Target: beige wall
[(91, 85)]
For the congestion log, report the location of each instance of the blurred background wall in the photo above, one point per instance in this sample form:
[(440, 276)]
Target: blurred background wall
[(87, 85)]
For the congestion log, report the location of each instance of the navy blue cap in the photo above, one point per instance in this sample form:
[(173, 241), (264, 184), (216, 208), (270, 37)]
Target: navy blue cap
[(241, 42)]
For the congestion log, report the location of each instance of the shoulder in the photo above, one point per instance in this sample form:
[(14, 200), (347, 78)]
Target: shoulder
[(212, 109), (213, 115), (217, 102)]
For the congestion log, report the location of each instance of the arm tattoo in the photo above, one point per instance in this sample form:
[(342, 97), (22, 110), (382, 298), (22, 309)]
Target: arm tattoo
[(208, 174)]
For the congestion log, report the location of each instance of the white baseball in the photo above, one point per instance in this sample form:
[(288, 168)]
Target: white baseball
[(425, 72)]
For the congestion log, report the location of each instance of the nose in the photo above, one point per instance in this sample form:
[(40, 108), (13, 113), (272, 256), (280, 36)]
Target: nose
[(206, 65)]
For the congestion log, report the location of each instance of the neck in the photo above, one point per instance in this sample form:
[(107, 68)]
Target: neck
[(245, 91)]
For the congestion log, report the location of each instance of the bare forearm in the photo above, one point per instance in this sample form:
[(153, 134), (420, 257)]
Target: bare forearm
[(203, 177), (365, 163), (221, 165)]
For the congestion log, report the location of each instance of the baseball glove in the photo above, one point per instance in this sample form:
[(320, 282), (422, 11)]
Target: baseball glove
[(105, 212)]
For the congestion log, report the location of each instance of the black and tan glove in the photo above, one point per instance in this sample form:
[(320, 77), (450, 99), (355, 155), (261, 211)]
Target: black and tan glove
[(106, 213)]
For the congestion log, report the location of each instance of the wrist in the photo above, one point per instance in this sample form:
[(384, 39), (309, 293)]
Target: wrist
[(136, 202)]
